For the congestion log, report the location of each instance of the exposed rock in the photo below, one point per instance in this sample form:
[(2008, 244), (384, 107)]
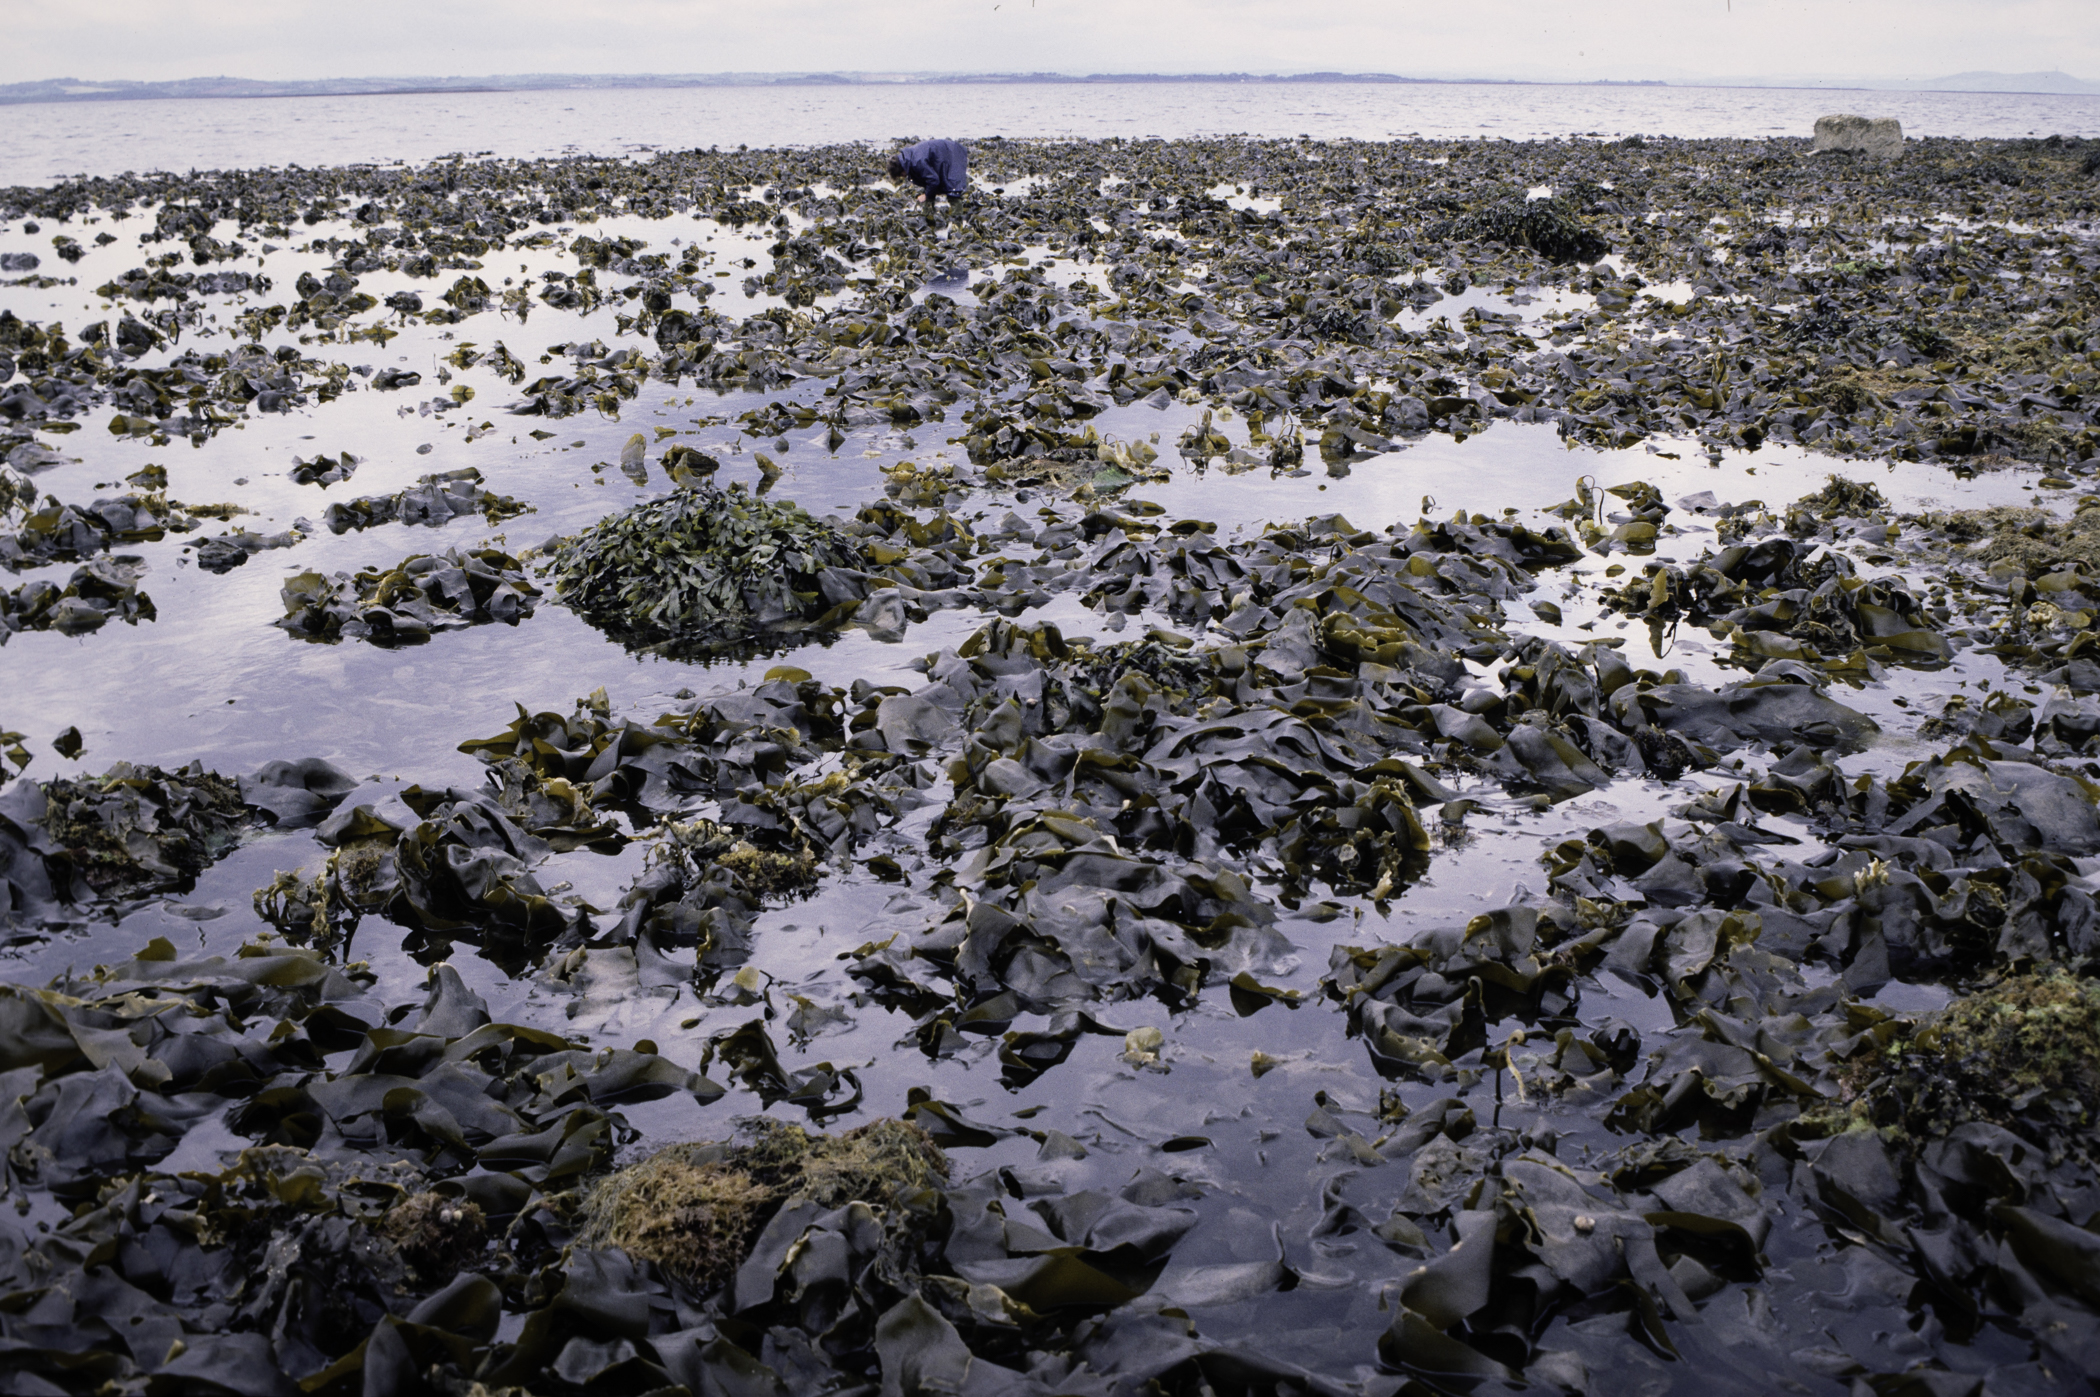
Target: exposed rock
[(1879, 136)]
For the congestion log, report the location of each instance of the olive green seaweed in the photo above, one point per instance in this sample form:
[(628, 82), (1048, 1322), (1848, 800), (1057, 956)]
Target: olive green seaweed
[(702, 563)]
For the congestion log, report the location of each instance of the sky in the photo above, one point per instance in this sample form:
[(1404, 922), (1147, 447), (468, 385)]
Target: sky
[(1674, 40)]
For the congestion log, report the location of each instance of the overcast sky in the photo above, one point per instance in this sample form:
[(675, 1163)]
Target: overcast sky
[(1670, 39)]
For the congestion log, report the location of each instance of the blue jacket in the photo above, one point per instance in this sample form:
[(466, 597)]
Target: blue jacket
[(938, 167)]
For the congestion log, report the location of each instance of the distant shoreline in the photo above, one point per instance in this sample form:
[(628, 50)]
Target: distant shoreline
[(71, 90)]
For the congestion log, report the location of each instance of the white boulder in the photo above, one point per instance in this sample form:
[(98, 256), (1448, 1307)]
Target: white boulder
[(1881, 137)]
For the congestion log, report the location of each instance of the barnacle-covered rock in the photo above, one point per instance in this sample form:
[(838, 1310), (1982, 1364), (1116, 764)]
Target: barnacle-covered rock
[(2022, 1053)]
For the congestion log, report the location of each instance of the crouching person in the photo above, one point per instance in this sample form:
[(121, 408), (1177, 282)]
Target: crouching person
[(937, 168)]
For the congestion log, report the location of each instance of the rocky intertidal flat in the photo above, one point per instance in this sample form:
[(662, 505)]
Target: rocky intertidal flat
[(1243, 767)]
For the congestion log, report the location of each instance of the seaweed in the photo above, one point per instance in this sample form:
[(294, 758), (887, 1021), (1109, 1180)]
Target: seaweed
[(702, 568), (432, 500), (1648, 1114), (95, 593), (406, 604)]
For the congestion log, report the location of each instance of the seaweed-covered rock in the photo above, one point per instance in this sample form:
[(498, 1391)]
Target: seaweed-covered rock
[(140, 829), (225, 552), (703, 568), (325, 470), (54, 531), (450, 864), (1548, 227), (131, 830), (407, 603), (432, 500), (18, 494), (97, 591), (1780, 600), (1841, 498)]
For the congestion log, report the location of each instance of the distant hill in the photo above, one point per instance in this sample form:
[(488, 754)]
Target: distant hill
[(2012, 82), (80, 90), (83, 90), (2054, 83)]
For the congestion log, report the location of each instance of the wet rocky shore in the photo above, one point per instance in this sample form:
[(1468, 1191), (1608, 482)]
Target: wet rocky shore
[(1250, 766)]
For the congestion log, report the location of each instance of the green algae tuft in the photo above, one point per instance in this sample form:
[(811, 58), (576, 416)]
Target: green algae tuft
[(2022, 1053), (694, 1209)]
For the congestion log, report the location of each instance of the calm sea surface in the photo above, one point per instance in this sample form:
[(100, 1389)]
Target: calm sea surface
[(39, 143)]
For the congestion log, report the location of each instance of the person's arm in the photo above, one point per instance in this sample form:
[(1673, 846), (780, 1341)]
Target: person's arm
[(916, 171)]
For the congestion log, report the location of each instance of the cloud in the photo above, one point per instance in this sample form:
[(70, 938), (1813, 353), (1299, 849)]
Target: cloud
[(1676, 39)]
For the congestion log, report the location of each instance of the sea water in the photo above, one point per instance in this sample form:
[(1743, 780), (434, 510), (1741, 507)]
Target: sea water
[(41, 142)]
